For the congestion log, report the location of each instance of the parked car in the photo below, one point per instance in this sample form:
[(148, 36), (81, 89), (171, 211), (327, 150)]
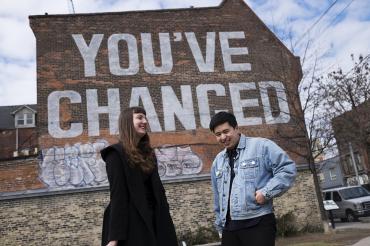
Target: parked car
[(353, 202)]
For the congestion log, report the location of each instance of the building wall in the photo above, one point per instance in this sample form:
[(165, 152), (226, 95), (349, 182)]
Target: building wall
[(20, 175), (329, 168), (7, 143), (76, 218), (354, 127), (301, 200), (27, 139), (181, 65)]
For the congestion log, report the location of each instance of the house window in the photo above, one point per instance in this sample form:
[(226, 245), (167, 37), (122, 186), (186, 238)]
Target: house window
[(20, 120), (332, 174), (350, 166), (321, 177), (358, 161), (29, 118), (25, 119)]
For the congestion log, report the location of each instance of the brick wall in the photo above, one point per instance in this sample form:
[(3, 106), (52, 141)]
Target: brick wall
[(354, 127), (76, 218), (27, 139), (301, 199), (20, 174), (68, 85)]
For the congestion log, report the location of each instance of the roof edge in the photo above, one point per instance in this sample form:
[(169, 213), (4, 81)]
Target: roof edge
[(46, 15), (21, 107)]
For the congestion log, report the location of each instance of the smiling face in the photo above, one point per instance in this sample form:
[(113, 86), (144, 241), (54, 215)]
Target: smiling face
[(140, 124), (227, 135)]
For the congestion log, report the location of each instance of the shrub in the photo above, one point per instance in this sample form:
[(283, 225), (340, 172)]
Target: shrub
[(201, 236), (285, 225)]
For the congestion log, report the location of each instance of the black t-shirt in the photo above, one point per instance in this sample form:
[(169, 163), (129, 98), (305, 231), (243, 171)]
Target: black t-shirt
[(234, 225)]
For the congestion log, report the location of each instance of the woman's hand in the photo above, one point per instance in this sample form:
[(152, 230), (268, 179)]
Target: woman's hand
[(112, 243)]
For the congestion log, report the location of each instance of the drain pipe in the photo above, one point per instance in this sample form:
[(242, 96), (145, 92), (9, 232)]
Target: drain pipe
[(16, 139)]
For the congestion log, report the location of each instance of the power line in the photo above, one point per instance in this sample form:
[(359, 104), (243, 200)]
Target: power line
[(316, 22), (334, 19), (73, 7), (327, 27)]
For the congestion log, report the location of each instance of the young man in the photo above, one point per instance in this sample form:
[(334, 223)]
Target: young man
[(246, 176)]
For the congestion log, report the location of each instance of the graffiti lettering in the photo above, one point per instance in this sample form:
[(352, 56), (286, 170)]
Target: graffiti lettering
[(80, 165), (177, 161)]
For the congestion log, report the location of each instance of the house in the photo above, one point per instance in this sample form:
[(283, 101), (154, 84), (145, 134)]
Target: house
[(352, 133), (330, 173), (18, 134)]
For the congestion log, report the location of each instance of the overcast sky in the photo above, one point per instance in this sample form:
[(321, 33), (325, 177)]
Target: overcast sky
[(333, 29)]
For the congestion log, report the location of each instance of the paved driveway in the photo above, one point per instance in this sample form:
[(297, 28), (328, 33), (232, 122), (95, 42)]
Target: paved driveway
[(363, 223)]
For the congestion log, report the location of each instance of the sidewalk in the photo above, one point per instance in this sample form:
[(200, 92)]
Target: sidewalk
[(345, 234), (363, 242)]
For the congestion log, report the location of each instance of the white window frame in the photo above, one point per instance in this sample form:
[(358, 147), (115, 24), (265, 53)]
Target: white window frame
[(332, 174), (358, 160), (321, 177), (23, 117)]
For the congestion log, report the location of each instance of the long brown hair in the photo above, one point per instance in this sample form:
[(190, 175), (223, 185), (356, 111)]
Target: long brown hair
[(139, 152)]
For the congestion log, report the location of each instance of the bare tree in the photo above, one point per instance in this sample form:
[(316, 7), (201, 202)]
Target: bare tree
[(345, 92), (346, 99), (308, 123)]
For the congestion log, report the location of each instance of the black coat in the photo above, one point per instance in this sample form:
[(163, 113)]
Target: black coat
[(127, 217)]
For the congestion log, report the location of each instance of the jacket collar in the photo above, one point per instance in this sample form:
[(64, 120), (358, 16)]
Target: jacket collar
[(241, 145)]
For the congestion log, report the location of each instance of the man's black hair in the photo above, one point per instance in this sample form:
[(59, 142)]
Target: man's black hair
[(221, 118)]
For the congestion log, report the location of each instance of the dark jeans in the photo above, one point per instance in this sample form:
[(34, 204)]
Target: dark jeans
[(262, 234)]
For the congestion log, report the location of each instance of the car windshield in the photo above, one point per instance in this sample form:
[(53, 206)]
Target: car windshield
[(354, 192)]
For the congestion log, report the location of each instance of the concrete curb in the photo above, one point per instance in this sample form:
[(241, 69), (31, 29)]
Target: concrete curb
[(212, 244)]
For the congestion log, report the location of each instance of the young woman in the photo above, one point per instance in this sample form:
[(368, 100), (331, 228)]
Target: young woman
[(138, 212)]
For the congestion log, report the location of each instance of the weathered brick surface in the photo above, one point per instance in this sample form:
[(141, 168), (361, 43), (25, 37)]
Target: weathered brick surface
[(19, 175), (61, 68), (75, 219), (354, 127), (27, 139), (301, 200)]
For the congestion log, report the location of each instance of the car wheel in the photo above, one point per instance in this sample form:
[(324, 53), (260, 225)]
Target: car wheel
[(350, 216)]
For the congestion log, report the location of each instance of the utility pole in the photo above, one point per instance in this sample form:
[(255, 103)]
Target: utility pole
[(354, 162)]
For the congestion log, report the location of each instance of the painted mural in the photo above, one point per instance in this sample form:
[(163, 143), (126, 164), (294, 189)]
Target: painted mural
[(81, 166), (182, 76), (177, 161), (73, 166), (78, 165)]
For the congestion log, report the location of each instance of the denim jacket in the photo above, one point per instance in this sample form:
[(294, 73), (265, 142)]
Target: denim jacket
[(260, 164)]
